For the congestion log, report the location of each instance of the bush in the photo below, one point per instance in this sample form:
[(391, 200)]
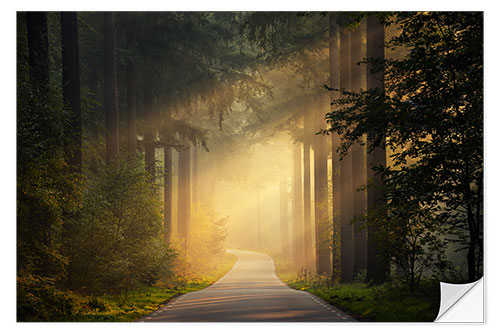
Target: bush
[(39, 300), (118, 241)]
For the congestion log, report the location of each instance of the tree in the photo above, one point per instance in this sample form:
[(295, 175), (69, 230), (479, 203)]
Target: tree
[(334, 83), (110, 102), (346, 187), (308, 244), (184, 193), (149, 125), (285, 243), (297, 212), (377, 268), (38, 51), (432, 123), (167, 194), (71, 85), (321, 191), (358, 169), (131, 99)]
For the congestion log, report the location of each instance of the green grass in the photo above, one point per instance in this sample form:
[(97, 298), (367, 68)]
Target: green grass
[(143, 300), (390, 302)]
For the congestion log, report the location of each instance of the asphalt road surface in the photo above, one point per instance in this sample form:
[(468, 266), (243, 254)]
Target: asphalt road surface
[(249, 292)]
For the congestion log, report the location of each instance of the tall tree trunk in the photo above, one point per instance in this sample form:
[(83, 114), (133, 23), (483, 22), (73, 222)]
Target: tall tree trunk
[(308, 245), (71, 86), (334, 83), (346, 197), (184, 195), (285, 243), (110, 90), (195, 174), (358, 168), (71, 102), (131, 101), (259, 226), (167, 193), (321, 189), (297, 218), (149, 132), (377, 267), (38, 49)]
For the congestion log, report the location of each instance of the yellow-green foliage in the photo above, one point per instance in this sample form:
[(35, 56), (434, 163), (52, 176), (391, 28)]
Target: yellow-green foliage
[(143, 300), (206, 244), (389, 302)]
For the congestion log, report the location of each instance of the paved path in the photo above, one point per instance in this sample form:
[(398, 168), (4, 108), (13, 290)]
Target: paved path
[(249, 292)]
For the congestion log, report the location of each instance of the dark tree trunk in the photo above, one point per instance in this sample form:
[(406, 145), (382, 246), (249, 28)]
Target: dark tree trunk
[(195, 174), (334, 83), (110, 90), (308, 245), (377, 267), (321, 190), (131, 101), (71, 102), (38, 48), (358, 168), (346, 197), (184, 195), (71, 87), (149, 134), (297, 218), (285, 243), (167, 194)]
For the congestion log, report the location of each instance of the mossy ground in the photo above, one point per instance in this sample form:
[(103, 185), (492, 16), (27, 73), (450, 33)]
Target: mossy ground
[(142, 300), (390, 302)]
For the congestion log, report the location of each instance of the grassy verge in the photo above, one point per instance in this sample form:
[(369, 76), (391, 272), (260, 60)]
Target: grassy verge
[(389, 302), (142, 301)]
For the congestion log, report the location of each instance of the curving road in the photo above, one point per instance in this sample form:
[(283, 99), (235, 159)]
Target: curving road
[(249, 292)]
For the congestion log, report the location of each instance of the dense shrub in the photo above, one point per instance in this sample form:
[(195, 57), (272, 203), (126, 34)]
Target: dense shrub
[(39, 300), (118, 240)]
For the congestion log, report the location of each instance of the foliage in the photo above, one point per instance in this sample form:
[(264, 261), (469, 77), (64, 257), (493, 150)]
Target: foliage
[(142, 300), (206, 243), (47, 189), (430, 115), (39, 300), (389, 302), (118, 240), (413, 240)]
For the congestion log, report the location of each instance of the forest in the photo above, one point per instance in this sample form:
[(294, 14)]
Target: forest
[(347, 146)]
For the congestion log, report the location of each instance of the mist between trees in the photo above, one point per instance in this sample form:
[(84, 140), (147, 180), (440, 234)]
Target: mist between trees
[(349, 145)]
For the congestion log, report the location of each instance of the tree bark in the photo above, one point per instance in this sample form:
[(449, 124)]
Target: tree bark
[(334, 83), (131, 101), (149, 135), (377, 267), (110, 100), (195, 174), (167, 194), (321, 190), (297, 218), (184, 195), (285, 243), (71, 87), (38, 49), (358, 173), (308, 245), (346, 197), (259, 226)]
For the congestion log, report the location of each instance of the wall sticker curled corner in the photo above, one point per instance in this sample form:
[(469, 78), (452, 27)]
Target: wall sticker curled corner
[(461, 303)]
